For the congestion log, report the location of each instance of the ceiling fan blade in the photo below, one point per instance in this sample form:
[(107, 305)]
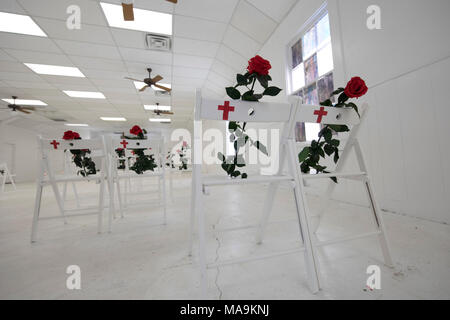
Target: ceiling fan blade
[(22, 110), (128, 14), (173, 1), (162, 87), (28, 108), (133, 79), (143, 88), (157, 78), (166, 112)]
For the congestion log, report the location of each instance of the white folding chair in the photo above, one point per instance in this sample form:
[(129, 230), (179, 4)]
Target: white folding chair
[(206, 109), (340, 116), (6, 175), (69, 169), (152, 145), (47, 176)]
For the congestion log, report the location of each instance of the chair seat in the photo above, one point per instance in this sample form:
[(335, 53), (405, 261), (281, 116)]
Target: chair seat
[(132, 174), (335, 174), (225, 180), (63, 178)]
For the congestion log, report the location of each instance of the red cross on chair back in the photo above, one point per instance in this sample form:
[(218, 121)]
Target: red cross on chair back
[(124, 143), (326, 115), (55, 144), (320, 113), (226, 108)]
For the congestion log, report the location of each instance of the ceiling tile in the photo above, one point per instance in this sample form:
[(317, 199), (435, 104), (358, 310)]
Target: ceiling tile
[(23, 84), (8, 66), (195, 47), (224, 70), (215, 10), (57, 29), (199, 29), (65, 80), (259, 27), (129, 38), (219, 80), (276, 12), (5, 57), (192, 61), (188, 81), (160, 6), (20, 76), (91, 13), (146, 56), (88, 49), (139, 70), (102, 74), (240, 42), (11, 6), (231, 58), (189, 72), (30, 43), (40, 57), (98, 63)]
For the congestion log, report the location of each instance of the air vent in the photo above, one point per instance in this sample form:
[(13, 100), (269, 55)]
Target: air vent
[(161, 93), (157, 42)]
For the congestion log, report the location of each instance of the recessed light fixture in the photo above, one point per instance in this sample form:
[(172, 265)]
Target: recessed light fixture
[(113, 119), (18, 23), (55, 70), (144, 20), (24, 102), (139, 85), (159, 120), (77, 125), (156, 107), (84, 94)]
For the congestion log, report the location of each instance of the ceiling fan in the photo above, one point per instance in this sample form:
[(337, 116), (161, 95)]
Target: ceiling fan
[(127, 8), (151, 81), (159, 112), (15, 107)]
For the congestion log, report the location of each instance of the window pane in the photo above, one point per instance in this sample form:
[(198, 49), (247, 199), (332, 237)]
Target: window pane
[(297, 54), (298, 77), (325, 59), (300, 132), (323, 31), (312, 131), (310, 95), (309, 43), (325, 87), (311, 69)]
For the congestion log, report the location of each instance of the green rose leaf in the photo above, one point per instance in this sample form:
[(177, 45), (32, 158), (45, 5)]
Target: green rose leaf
[(233, 93), (304, 154), (248, 96), (272, 91), (244, 176), (326, 103), (263, 80), (241, 80), (221, 156)]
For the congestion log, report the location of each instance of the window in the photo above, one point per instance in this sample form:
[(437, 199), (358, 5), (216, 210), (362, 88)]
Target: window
[(311, 70)]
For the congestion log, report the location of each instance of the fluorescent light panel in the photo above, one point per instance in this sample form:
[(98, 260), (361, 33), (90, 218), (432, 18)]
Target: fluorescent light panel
[(144, 20), (55, 70), (77, 125), (155, 107), (159, 120), (139, 85), (24, 102), (113, 119), (84, 94), (17, 23)]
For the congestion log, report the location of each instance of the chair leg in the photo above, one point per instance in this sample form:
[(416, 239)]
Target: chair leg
[(164, 198), (302, 214), (267, 209), (119, 197), (100, 207), (37, 209), (382, 237), (192, 213), (325, 201), (201, 244)]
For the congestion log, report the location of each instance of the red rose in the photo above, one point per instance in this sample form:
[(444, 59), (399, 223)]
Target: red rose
[(71, 135), (259, 65), (136, 130), (356, 88)]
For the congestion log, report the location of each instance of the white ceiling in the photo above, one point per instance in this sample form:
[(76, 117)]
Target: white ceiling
[(212, 40)]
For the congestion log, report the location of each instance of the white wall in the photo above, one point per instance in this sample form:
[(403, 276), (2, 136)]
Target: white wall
[(406, 66)]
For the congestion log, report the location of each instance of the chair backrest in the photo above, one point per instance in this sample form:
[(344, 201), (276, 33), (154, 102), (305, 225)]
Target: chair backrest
[(326, 115), (153, 143), (238, 110), (94, 145)]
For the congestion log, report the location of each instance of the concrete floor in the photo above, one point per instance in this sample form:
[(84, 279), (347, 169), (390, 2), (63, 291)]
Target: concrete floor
[(143, 259)]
